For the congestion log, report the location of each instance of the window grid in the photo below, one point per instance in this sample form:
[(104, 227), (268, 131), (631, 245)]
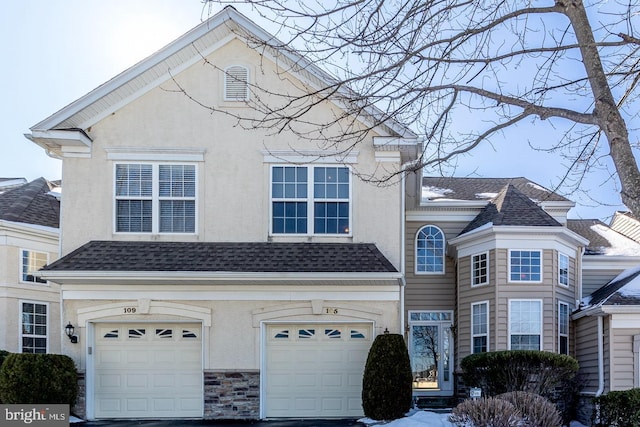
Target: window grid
[(310, 200), (155, 198), (525, 324), (430, 246), (480, 269), (32, 261), (563, 269), (480, 327), (525, 266), (563, 328), (34, 327)]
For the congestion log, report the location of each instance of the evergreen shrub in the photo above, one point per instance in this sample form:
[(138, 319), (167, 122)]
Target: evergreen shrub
[(38, 378), (617, 408), (386, 384), (538, 372)]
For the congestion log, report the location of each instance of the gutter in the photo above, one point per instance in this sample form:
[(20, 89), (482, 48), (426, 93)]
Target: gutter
[(403, 225)]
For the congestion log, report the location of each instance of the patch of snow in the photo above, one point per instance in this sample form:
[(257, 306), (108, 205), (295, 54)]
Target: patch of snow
[(75, 420), (417, 418), (486, 195), (620, 245), (631, 289), (435, 192), (537, 187)]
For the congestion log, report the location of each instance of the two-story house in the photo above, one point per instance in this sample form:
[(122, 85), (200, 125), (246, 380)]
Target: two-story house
[(215, 270), (29, 238)]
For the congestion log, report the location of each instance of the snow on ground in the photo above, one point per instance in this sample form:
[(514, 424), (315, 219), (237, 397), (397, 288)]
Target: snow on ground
[(424, 419)]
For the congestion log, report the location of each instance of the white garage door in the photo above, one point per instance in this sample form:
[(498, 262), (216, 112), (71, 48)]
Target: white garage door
[(315, 370), (148, 371)]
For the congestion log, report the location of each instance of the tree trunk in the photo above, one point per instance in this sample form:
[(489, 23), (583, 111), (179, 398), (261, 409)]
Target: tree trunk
[(606, 111)]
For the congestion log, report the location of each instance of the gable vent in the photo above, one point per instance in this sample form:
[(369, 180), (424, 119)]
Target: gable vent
[(236, 86)]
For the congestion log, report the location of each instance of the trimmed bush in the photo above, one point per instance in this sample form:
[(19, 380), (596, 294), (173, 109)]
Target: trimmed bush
[(38, 378), (3, 355), (386, 385), (535, 409), (486, 412), (617, 408), (538, 372)]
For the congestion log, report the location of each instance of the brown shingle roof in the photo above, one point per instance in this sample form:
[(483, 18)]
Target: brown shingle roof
[(224, 257), (31, 204), (512, 207), (485, 188)]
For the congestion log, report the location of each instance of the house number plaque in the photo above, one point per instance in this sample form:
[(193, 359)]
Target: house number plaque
[(329, 310), (129, 310)]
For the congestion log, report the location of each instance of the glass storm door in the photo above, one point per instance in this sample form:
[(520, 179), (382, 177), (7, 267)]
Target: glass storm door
[(430, 348)]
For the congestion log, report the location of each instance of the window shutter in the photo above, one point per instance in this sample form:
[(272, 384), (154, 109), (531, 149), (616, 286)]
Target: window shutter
[(236, 81)]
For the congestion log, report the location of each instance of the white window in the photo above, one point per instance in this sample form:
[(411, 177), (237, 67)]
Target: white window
[(155, 198), (236, 83), (525, 324), (525, 266), (480, 327), (310, 200), (563, 269), (563, 328), (430, 245), (480, 269), (33, 322), (32, 261)]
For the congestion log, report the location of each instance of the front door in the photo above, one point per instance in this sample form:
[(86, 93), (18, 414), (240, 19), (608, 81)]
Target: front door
[(431, 351)]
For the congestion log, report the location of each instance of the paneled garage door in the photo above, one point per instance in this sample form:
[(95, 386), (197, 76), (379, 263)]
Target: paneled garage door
[(148, 370), (315, 370)]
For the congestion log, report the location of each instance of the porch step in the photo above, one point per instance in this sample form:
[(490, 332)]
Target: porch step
[(438, 404)]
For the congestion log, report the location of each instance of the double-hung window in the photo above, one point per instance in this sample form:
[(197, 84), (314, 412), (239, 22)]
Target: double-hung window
[(310, 200), (480, 327), (525, 324), (32, 261), (563, 328), (525, 266), (563, 269), (33, 324), (480, 269), (155, 198)]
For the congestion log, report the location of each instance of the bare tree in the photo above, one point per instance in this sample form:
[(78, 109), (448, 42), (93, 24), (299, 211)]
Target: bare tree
[(458, 72)]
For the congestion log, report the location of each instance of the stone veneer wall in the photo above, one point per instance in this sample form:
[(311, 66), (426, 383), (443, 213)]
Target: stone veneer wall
[(80, 408), (585, 409), (232, 395)]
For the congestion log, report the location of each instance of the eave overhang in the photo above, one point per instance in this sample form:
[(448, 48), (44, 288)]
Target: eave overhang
[(217, 277), (62, 143)]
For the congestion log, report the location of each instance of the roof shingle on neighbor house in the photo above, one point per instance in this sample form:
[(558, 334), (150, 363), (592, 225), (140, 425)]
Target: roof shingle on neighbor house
[(31, 203), (511, 207), (622, 290), (225, 257), (470, 189), (603, 240)]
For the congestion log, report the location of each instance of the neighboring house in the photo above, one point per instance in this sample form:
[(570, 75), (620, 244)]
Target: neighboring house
[(29, 236), (10, 183), (627, 224), (491, 266), (212, 270), (494, 264)]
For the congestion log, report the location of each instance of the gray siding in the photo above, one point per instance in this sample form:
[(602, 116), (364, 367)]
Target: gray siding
[(586, 332), (622, 369)]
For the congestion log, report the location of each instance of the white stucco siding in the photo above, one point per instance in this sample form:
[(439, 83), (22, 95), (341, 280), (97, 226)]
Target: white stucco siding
[(233, 176), (228, 324)]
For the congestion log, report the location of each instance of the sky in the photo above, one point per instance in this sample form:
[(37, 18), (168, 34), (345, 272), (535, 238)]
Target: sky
[(56, 51)]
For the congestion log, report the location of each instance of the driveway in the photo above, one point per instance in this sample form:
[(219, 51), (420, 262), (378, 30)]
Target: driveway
[(213, 423)]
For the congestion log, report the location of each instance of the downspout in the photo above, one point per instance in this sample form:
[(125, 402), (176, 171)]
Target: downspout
[(600, 357), (403, 225)]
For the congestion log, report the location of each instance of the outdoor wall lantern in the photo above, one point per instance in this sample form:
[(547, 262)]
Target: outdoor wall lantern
[(69, 329)]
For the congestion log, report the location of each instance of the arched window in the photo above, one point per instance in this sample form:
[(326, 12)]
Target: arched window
[(430, 250), (236, 83)]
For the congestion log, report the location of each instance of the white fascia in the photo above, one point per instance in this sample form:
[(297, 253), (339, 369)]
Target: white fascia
[(30, 229), (198, 276), (609, 262)]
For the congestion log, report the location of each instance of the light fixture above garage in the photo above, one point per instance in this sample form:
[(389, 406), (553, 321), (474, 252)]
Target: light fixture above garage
[(69, 329)]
